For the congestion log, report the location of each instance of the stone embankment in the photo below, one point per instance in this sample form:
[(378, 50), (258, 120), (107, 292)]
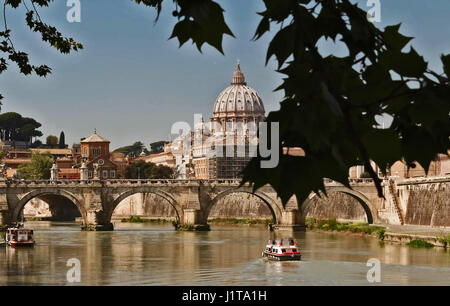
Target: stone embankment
[(437, 236)]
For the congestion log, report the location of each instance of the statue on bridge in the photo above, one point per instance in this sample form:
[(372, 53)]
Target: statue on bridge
[(3, 172)]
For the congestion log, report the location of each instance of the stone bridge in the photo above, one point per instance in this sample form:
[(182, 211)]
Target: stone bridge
[(191, 199)]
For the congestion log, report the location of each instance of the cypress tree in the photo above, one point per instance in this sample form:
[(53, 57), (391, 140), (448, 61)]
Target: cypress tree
[(62, 141)]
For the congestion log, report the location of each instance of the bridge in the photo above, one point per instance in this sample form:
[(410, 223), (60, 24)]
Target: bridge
[(192, 200)]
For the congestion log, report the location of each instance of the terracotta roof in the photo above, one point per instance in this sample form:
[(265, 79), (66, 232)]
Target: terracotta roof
[(54, 151), (69, 170), (14, 151), (16, 161), (94, 138)]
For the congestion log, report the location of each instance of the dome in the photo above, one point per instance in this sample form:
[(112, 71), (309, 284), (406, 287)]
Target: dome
[(239, 101)]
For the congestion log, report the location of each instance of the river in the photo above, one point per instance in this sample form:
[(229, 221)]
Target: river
[(146, 254)]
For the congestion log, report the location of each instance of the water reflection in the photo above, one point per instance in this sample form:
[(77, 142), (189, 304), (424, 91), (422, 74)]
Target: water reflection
[(142, 254)]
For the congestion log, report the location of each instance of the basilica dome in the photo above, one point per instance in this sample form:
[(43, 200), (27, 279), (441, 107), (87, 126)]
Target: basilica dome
[(238, 102)]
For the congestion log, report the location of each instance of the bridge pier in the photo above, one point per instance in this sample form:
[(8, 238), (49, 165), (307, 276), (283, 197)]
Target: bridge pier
[(291, 220), (5, 213), (5, 219), (96, 222), (193, 220)]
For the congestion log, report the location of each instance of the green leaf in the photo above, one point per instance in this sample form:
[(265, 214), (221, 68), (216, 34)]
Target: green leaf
[(394, 39), (282, 45), (406, 64), (383, 146), (446, 63), (203, 22)]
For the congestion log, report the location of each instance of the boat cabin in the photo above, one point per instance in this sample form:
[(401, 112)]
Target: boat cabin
[(17, 236), (282, 249)]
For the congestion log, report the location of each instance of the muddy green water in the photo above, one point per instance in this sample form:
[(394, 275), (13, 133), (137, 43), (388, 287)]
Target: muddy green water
[(146, 254)]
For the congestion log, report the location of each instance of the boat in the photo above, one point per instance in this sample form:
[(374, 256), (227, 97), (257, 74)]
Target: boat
[(282, 250), (19, 236)]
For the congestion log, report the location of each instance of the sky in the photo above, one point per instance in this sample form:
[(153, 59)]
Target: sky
[(131, 83)]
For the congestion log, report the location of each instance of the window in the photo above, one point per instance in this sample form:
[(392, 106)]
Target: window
[(105, 173), (113, 174), (89, 174), (96, 151), (283, 250)]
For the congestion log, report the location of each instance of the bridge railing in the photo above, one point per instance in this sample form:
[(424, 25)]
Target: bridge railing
[(156, 182), (124, 181), (351, 181), (424, 180)]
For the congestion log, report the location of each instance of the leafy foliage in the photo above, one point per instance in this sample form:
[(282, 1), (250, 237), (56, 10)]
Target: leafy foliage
[(331, 102), (141, 169), (38, 169), (62, 141), (14, 127), (199, 20), (51, 141), (134, 150), (8, 53), (157, 147)]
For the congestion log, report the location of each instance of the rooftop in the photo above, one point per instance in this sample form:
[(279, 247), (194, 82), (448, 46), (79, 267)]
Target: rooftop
[(94, 138)]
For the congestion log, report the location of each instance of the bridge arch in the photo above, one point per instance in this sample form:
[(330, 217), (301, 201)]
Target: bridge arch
[(161, 194), (41, 193), (360, 197), (271, 204)]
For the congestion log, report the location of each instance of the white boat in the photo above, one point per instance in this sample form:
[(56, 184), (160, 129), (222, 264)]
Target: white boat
[(19, 236), (282, 250)]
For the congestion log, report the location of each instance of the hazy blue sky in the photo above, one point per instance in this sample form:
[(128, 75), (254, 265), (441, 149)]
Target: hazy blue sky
[(132, 83)]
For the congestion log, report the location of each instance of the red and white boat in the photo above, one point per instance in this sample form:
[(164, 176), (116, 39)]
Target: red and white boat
[(19, 236), (282, 250)]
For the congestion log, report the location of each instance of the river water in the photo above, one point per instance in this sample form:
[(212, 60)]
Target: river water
[(144, 254)]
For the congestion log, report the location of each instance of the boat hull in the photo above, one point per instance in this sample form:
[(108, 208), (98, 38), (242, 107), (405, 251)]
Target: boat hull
[(281, 257), (20, 244)]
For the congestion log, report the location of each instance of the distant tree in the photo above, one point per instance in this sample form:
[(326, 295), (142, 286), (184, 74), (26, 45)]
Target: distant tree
[(52, 141), (161, 172), (135, 149), (14, 127), (38, 169), (143, 170), (138, 169), (157, 147), (36, 144), (62, 140)]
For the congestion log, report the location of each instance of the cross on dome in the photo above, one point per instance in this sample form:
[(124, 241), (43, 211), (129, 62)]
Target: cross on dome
[(238, 76)]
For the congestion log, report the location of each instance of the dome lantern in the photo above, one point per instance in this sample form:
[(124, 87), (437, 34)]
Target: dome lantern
[(238, 76)]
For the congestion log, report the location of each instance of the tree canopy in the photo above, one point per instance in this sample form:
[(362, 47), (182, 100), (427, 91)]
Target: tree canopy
[(135, 149), (62, 141), (51, 141), (330, 103), (15, 127), (38, 168), (141, 169), (157, 147)]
